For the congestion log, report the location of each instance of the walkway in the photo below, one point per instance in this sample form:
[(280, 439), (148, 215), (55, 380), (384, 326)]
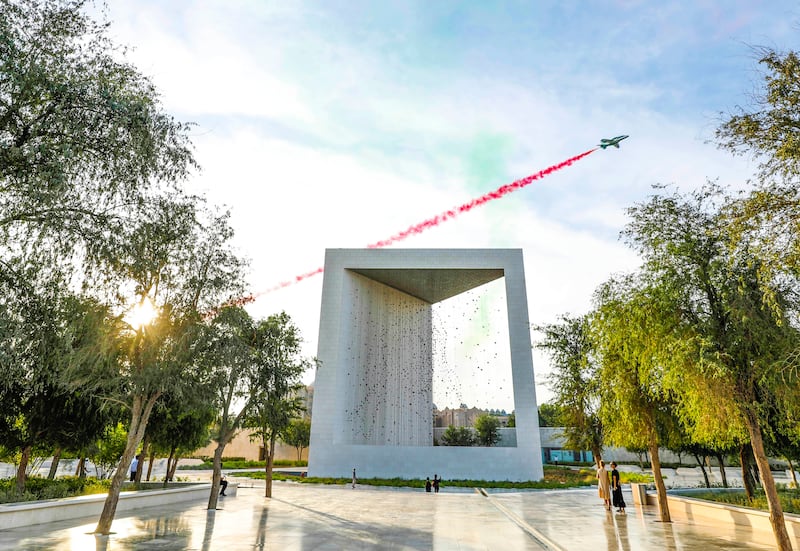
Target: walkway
[(306, 517)]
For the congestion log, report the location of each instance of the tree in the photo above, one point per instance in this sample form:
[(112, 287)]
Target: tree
[(629, 327), (227, 357), (275, 383), (768, 129), (90, 173), (512, 420), (298, 435), (82, 134), (550, 415), (107, 450), (177, 258), (575, 383), (179, 426), (766, 219), (458, 436), (487, 429), (734, 354)]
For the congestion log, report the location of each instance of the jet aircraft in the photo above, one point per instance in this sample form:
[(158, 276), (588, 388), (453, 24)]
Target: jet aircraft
[(605, 142)]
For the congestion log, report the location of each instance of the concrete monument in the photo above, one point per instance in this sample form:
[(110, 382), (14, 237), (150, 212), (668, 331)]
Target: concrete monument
[(373, 402)]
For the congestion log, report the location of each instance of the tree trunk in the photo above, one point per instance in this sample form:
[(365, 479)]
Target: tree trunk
[(598, 456), (703, 469), (150, 462), (663, 505), (140, 414), (721, 461), (174, 466), (54, 465), (268, 467), (775, 510), (23, 466), (80, 470), (217, 475), (747, 479), (169, 464), (793, 474), (142, 455)]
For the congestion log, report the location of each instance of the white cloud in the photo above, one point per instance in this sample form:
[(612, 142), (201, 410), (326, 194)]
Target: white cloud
[(317, 139)]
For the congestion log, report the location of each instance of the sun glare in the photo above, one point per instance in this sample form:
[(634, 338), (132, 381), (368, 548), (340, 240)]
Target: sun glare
[(142, 314)]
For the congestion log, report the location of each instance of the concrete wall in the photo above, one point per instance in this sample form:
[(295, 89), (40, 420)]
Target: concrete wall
[(386, 386), (373, 398), (242, 446)]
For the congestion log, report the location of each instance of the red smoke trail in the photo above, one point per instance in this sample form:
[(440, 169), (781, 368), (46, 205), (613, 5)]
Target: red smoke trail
[(466, 207), (500, 192)]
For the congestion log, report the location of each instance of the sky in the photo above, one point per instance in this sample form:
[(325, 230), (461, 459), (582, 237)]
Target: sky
[(329, 124)]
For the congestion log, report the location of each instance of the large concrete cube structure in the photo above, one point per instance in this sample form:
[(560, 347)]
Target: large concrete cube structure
[(373, 400)]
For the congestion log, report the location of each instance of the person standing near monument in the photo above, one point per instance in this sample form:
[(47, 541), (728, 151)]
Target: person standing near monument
[(603, 486), (134, 467), (616, 489)]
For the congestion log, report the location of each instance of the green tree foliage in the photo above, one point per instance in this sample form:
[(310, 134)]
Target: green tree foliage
[(628, 333), (767, 130), (768, 219), (458, 436), (90, 199), (226, 356), (575, 382), (180, 426), (487, 430), (297, 435), (278, 367), (108, 449), (550, 415), (82, 134), (512, 420), (731, 345)]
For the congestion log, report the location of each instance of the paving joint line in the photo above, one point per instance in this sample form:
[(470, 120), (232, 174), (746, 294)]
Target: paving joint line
[(537, 536)]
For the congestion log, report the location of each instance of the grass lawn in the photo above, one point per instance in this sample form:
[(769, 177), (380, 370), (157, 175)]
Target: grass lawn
[(554, 477), (242, 464)]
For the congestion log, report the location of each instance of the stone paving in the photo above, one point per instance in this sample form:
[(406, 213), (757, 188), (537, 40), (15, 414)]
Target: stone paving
[(311, 517)]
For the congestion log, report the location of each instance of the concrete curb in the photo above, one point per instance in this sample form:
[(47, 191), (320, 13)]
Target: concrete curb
[(26, 513)]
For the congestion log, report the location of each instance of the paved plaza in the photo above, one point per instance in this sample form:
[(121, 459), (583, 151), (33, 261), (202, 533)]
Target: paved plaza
[(311, 517)]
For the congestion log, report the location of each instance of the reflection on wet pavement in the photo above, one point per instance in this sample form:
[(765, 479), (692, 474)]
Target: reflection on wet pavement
[(306, 517)]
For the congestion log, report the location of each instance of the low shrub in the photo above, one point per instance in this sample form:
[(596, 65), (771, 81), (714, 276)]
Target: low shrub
[(243, 464), (790, 499), (37, 488)]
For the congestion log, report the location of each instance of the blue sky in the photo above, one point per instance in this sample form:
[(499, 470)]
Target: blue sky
[(337, 124)]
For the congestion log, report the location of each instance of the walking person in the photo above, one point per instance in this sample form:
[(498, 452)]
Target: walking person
[(436, 481), (354, 477), (134, 467), (428, 484), (603, 485), (616, 489)]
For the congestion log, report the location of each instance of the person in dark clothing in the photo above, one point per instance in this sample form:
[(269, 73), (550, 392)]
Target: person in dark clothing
[(427, 484), (223, 482), (436, 481), (616, 490)]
